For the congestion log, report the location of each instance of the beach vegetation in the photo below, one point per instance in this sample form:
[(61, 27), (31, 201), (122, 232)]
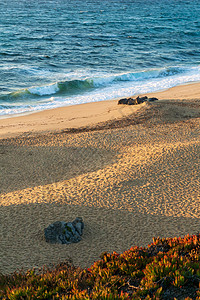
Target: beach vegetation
[(169, 268)]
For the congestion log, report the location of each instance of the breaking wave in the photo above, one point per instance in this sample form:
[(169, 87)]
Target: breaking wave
[(95, 87)]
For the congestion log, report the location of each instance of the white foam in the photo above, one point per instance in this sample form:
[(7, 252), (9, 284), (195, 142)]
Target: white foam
[(140, 75), (108, 86), (44, 90)]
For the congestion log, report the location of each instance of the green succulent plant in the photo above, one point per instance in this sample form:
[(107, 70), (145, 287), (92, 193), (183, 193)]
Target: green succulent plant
[(171, 264)]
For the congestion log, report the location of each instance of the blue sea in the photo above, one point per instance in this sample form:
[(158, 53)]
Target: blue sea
[(55, 53)]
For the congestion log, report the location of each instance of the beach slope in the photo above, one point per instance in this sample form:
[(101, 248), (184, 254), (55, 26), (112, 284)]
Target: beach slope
[(131, 173)]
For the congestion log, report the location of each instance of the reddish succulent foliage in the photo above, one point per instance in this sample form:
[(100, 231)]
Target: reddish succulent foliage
[(166, 269)]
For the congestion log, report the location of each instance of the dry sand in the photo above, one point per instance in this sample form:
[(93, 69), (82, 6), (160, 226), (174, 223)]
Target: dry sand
[(132, 173)]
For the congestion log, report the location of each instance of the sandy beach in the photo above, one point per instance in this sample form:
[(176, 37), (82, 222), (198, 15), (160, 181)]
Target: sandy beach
[(131, 173)]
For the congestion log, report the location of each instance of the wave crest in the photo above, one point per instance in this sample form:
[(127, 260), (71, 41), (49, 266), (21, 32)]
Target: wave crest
[(80, 86)]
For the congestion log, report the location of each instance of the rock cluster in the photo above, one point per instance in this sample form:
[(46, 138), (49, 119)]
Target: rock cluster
[(64, 232), (136, 101)]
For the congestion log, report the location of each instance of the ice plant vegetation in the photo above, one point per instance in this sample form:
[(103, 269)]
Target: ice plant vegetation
[(169, 268)]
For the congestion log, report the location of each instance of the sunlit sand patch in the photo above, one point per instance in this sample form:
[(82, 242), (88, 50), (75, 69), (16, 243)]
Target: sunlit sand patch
[(128, 183)]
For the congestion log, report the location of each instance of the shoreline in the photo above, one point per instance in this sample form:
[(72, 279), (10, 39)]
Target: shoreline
[(86, 114), (131, 173), (150, 94)]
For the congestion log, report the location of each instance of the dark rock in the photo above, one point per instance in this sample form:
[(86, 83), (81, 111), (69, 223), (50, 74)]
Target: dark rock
[(138, 100), (64, 233), (78, 225), (141, 99), (132, 101), (152, 99), (123, 101)]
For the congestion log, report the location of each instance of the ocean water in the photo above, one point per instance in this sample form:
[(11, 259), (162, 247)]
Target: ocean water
[(63, 52)]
